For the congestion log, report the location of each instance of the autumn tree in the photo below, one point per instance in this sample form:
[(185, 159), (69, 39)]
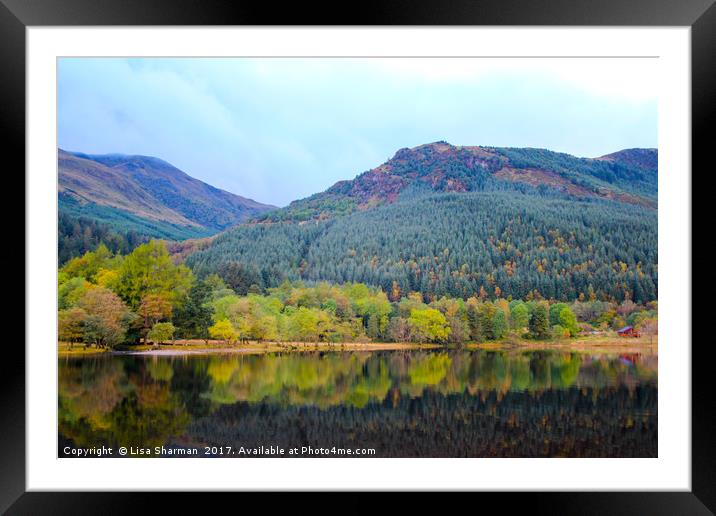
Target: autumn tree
[(223, 330), (395, 291), (264, 327), (152, 309), (626, 308), (107, 317), (649, 327), (399, 330), (91, 263), (70, 325)]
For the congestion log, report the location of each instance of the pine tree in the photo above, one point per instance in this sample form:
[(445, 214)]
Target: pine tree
[(539, 322)]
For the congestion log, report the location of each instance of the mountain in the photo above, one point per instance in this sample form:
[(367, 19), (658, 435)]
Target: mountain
[(146, 195), (628, 176), (645, 159), (463, 221)]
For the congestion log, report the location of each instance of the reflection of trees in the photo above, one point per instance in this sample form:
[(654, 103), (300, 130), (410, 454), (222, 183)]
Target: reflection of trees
[(149, 401), (147, 417), (88, 391), (574, 422), (429, 369), (110, 401), (439, 404), (328, 379), (312, 378)]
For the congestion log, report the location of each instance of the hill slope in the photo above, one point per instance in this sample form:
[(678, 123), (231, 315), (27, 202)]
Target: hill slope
[(147, 195), (628, 176), (463, 221)]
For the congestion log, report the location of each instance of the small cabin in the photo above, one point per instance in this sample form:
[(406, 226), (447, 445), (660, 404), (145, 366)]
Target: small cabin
[(628, 331)]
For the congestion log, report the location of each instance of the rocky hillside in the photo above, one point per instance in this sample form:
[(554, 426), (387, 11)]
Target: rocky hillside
[(628, 176)]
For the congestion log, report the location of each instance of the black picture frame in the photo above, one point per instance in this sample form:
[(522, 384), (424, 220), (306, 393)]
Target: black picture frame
[(17, 15)]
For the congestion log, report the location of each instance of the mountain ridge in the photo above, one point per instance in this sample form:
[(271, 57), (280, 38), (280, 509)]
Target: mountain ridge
[(149, 188), (627, 176)]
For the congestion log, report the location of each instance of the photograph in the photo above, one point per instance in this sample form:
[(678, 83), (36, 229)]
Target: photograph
[(357, 257)]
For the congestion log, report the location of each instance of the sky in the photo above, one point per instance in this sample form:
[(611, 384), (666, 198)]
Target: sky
[(280, 129)]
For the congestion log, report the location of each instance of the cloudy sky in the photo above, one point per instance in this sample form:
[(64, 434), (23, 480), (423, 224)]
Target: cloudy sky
[(280, 129)]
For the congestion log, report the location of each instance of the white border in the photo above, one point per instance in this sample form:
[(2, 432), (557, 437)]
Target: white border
[(672, 468)]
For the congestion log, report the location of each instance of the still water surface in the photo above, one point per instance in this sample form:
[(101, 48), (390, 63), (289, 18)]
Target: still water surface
[(400, 403)]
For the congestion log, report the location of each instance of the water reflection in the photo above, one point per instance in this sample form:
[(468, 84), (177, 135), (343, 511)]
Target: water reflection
[(404, 404)]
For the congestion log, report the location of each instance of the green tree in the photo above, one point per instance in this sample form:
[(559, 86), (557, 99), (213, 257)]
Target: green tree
[(554, 311), (429, 324), (373, 330), (487, 313), (193, 317), (150, 270), (568, 321), (239, 276), (520, 316), (474, 322), (559, 332), (70, 291), (161, 332), (539, 322), (304, 324), (499, 324), (264, 327)]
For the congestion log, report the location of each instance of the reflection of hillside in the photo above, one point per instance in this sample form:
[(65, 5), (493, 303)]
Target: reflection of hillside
[(403, 398), (610, 422)]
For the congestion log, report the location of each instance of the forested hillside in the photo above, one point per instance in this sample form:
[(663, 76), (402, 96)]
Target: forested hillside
[(495, 244), (463, 221), (78, 235)]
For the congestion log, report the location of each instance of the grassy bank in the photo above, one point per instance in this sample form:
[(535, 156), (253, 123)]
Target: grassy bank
[(64, 349), (591, 343)]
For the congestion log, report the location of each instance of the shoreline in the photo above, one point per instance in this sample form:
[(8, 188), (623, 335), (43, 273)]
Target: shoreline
[(585, 344)]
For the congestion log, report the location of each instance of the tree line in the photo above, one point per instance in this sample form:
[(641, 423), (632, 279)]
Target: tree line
[(107, 299), (77, 235)]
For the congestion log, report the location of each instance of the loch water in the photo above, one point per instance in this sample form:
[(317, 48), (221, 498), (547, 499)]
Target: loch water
[(407, 403)]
